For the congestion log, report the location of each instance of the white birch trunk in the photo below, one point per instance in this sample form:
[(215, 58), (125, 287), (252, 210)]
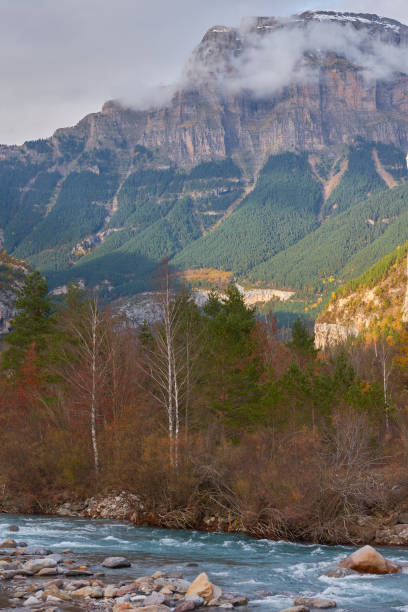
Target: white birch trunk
[(93, 386)]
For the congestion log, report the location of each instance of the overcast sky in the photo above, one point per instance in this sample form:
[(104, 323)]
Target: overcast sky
[(62, 59)]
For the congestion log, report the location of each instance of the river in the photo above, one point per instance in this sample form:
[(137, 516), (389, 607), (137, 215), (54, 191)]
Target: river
[(234, 562)]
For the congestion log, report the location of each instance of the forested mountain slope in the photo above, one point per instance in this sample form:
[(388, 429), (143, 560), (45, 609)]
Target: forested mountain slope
[(285, 187)]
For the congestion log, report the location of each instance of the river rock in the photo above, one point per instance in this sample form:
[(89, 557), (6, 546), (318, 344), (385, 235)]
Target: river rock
[(77, 572), (34, 566), (57, 593), (296, 609), (9, 543), (144, 584), (156, 599), (31, 601), (8, 574), (204, 588), (236, 599), (89, 591), (116, 562), (160, 608), (180, 585), (110, 591), (198, 601), (36, 550), (47, 571), (123, 605), (58, 558), (13, 528), (367, 560), (315, 603), (54, 584), (126, 590), (53, 599), (185, 606)]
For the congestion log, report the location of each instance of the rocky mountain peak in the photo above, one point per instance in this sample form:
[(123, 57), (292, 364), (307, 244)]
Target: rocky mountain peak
[(382, 28), (222, 47), (356, 19)]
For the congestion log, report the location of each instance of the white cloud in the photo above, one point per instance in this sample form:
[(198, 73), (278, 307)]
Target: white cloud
[(270, 62), (61, 59)]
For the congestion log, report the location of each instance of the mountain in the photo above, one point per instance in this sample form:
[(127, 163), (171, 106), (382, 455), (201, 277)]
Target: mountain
[(284, 139), (375, 301)]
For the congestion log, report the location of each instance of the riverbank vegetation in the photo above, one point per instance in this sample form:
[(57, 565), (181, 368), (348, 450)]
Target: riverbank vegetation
[(203, 413)]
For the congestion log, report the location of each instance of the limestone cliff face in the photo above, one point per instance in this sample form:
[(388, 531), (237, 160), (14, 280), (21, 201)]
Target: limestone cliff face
[(12, 272), (377, 300), (205, 120), (331, 334)]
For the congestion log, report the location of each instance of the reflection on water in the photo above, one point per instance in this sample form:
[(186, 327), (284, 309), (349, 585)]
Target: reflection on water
[(235, 562)]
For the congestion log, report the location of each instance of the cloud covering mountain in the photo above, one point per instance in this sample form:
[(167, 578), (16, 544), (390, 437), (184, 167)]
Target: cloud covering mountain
[(61, 60)]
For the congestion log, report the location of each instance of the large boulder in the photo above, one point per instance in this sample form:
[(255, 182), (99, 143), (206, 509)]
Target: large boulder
[(367, 560), (116, 562), (202, 587)]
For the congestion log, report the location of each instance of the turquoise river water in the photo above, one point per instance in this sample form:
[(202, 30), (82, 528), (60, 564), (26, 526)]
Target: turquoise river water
[(234, 562)]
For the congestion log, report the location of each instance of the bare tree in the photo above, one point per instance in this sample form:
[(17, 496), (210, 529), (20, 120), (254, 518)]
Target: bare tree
[(384, 356), (85, 363), (169, 360), (349, 476)]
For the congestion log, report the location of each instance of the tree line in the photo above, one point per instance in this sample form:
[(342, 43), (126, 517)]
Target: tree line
[(203, 412)]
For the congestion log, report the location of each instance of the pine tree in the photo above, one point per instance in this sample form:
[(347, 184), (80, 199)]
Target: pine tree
[(31, 325), (302, 340), (233, 364)]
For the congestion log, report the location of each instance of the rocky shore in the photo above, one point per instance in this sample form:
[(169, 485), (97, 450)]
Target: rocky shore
[(35, 577), (386, 530)]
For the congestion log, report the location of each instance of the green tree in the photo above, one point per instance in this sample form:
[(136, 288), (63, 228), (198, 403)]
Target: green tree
[(302, 340), (233, 363), (32, 324)]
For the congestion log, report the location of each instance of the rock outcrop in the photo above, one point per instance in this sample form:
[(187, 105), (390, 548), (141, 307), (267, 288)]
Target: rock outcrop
[(331, 334), (12, 272), (379, 296)]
